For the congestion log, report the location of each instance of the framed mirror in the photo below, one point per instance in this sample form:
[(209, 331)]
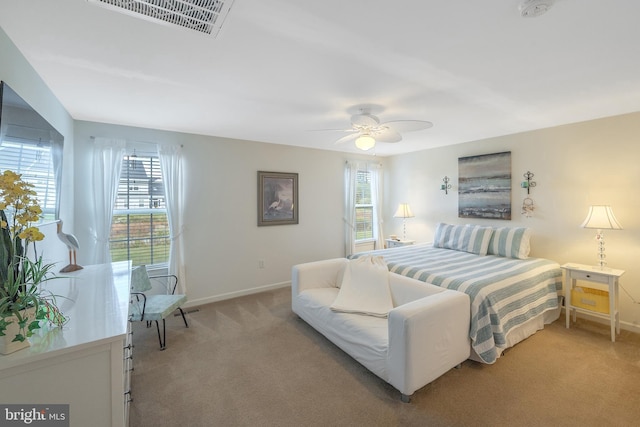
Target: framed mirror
[(29, 145)]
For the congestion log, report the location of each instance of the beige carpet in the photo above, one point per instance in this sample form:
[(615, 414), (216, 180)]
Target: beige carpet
[(251, 362)]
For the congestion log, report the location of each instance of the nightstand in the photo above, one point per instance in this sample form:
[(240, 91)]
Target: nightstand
[(391, 243), (607, 276)]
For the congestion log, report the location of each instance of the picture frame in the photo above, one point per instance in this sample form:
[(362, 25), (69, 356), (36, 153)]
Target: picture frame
[(277, 198), (484, 186)]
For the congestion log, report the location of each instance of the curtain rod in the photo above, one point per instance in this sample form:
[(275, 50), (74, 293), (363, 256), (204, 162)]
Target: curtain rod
[(136, 141), (130, 140)]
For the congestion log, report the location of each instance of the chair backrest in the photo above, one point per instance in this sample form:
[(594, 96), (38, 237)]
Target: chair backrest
[(140, 279)]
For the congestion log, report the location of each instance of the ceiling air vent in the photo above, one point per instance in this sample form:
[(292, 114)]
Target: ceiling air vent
[(204, 16)]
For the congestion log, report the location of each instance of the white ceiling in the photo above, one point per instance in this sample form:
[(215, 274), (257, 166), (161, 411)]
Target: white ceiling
[(280, 69)]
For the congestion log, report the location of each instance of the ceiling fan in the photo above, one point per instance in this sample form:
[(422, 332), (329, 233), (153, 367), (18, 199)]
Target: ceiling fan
[(366, 130)]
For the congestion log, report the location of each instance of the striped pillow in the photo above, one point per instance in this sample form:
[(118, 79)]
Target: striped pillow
[(468, 238), (510, 242)]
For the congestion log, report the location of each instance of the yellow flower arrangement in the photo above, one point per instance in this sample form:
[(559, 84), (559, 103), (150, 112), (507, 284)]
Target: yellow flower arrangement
[(19, 196), (21, 276)]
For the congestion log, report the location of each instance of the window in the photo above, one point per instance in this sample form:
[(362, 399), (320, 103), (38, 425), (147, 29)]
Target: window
[(140, 228), (33, 160), (364, 206)]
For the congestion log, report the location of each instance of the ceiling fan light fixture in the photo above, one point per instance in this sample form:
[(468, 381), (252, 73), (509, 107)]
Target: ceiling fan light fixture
[(365, 142)]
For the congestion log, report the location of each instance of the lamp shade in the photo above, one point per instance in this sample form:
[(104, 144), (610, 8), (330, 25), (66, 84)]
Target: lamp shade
[(602, 218), (365, 142), (403, 211)]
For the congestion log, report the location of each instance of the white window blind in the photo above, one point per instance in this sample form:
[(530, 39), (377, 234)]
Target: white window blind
[(140, 229), (31, 158), (364, 206)]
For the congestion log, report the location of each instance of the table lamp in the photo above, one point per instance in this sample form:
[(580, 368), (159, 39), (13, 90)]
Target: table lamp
[(601, 218), (404, 212)]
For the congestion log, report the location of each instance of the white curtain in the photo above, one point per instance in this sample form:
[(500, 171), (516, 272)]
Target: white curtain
[(376, 194), (172, 176), (350, 173), (56, 156), (107, 165)]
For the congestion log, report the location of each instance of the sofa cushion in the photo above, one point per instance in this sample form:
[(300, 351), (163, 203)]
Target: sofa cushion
[(365, 288), (365, 338)]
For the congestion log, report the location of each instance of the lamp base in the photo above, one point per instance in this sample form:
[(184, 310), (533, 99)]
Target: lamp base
[(404, 229), (601, 255)]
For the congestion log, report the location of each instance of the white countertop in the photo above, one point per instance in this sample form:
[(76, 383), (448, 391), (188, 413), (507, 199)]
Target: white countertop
[(96, 300)]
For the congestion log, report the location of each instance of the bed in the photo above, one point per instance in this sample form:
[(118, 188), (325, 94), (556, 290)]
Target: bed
[(512, 295)]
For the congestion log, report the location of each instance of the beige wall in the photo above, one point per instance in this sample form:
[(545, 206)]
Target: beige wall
[(575, 165), (223, 243)]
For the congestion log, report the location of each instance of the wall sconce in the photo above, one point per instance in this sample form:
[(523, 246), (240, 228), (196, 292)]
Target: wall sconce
[(446, 186), (528, 183), (527, 203)]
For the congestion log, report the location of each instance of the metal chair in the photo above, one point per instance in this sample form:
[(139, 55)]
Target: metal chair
[(154, 307)]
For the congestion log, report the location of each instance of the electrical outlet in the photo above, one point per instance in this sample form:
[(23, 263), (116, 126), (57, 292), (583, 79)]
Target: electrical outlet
[(260, 263)]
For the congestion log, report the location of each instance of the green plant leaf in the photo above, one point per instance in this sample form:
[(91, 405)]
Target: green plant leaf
[(22, 323), (34, 325), (3, 326)]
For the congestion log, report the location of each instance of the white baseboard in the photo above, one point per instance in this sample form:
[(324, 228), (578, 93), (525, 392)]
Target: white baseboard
[(630, 327), (230, 295), (627, 326)]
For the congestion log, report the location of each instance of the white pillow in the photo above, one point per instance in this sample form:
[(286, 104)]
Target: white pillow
[(468, 238), (510, 242), (365, 288)]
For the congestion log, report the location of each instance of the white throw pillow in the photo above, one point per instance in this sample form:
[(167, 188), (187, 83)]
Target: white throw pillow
[(365, 288), (510, 242), (468, 238)]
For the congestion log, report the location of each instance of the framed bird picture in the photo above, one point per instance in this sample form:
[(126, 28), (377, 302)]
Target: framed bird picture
[(277, 198)]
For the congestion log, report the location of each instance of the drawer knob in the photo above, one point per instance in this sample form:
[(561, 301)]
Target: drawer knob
[(588, 275)]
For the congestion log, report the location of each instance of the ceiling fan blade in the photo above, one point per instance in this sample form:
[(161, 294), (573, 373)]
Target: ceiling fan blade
[(364, 119), (330, 130), (408, 125), (386, 134), (348, 138)]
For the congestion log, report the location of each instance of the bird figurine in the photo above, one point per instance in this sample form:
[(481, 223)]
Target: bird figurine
[(73, 245)]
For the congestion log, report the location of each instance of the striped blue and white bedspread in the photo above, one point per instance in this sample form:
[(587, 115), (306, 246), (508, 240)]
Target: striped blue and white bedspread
[(504, 292)]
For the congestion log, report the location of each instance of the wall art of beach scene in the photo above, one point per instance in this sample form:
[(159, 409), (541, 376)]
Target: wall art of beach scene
[(484, 186)]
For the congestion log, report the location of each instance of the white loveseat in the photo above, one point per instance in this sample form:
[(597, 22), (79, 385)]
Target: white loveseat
[(425, 335)]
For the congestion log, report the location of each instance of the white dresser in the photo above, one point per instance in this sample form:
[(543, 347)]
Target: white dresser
[(83, 364)]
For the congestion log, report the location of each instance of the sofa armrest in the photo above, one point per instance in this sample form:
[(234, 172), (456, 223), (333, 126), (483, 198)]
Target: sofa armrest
[(318, 274), (427, 337), (406, 289)]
